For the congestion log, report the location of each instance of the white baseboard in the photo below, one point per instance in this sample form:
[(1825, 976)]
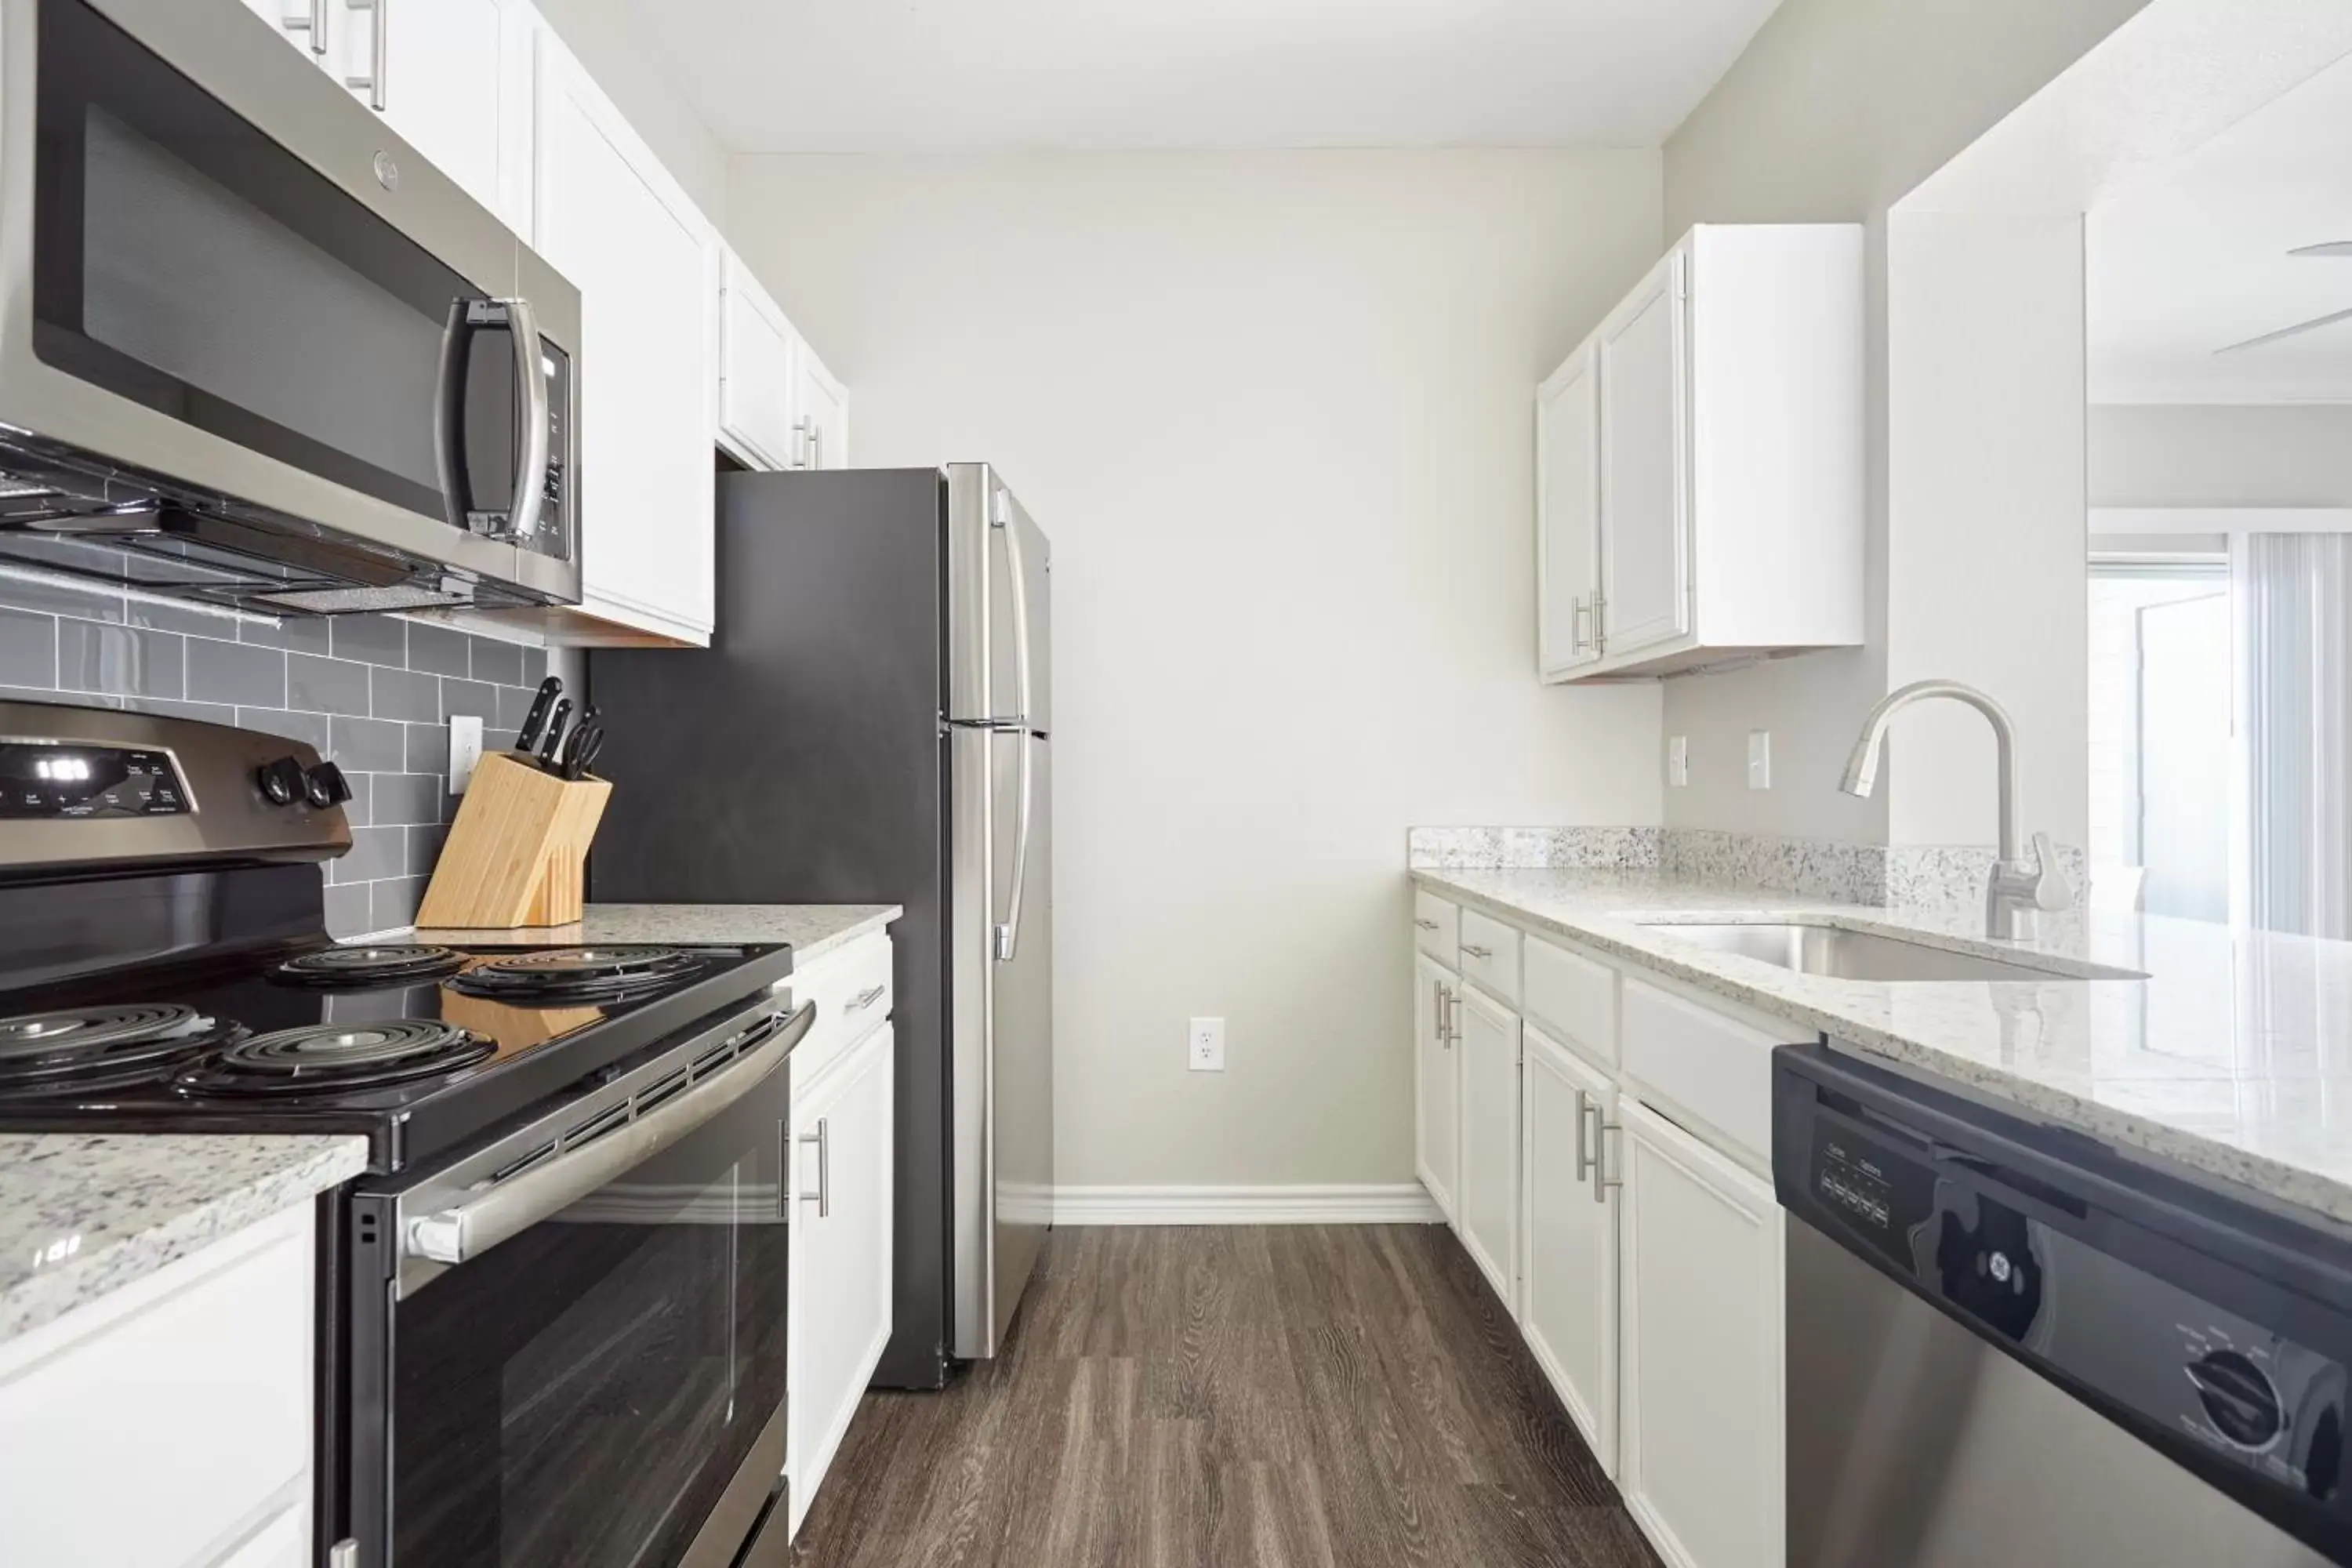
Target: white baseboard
[(1400, 1203)]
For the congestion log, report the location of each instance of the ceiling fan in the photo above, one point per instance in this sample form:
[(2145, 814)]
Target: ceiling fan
[(2341, 247)]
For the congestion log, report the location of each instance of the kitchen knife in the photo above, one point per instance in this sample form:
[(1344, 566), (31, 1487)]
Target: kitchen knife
[(549, 690), (552, 747)]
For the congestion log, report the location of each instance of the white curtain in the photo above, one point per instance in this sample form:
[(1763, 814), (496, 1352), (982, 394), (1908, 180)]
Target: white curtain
[(2296, 592)]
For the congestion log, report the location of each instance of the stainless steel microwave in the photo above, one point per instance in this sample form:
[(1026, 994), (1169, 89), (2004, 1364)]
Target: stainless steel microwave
[(254, 349)]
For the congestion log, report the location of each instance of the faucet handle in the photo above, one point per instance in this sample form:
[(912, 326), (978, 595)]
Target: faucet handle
[(2052, 889)]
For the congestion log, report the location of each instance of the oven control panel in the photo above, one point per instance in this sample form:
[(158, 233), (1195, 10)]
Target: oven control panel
[(49, 779)]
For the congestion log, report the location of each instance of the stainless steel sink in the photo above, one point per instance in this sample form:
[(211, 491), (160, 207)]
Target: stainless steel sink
[(1865, 955)]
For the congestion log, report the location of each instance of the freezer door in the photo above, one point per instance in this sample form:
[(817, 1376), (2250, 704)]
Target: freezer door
[(1004, 1026), (998, 610)]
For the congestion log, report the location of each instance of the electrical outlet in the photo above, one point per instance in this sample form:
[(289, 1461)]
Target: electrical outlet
[(1204, 1046), (464, 750), (1677, 761), (1760, 759)]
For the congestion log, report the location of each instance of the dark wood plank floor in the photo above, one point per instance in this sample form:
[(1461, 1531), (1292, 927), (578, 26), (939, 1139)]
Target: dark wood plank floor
[(1344, 1396)]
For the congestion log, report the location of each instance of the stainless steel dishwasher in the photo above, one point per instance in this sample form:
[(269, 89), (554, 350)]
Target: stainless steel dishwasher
[(2010, 1344)]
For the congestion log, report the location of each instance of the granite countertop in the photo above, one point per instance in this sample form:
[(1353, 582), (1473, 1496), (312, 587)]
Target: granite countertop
[(83, 1214), (2234, 1057), (814, 930)]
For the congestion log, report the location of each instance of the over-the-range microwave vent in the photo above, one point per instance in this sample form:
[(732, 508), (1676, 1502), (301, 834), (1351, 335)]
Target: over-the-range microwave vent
[(75, 516)]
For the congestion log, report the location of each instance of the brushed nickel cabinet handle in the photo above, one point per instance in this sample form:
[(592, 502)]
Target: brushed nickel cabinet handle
[(1425, 925), (866, 998), (374, 83), (315, 24), (822, 1139), (1476, 952), (1601, 1180), (1584, 1106)]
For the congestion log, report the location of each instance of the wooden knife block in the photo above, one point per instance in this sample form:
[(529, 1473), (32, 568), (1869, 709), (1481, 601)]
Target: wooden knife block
[(517, 852)]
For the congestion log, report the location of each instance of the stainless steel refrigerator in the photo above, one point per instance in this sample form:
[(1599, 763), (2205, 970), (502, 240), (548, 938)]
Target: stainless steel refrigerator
[(872, 724)]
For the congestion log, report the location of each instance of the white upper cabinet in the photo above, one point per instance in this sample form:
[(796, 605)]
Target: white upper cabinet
[(779, 407), (453, 78), (609, 218), (1568, 546), (824, 420), (759, 373), (1644, 499), (1723, 515)]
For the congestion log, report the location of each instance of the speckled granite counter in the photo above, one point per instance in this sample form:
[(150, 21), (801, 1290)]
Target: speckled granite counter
[(82, 1215), (814, 930), (2234, 1057)]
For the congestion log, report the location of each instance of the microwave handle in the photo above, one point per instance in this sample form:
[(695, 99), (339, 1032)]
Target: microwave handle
[(504, 1211), (528, 503), (531, 373)]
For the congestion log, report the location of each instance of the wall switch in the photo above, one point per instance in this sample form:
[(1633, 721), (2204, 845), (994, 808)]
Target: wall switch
[(1204, 1047), (464, 750), (1677, 761), (1760, 759)]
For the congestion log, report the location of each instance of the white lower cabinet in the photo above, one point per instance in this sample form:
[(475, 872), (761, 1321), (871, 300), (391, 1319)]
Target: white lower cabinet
[(125, 1448), (840, 1293), (1701, 1459), (1642, 1259), (1486, 1196), (1437, 1099), (1567, 1260)]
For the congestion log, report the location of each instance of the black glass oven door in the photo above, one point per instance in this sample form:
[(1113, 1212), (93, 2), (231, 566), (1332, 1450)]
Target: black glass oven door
[(585, 1390), (185, 260)]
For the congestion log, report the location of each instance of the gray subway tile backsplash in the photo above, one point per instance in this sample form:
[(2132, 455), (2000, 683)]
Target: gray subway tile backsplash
[(438, 650), (235, 672), (369, 745), (368, 693), (405, 695), (28, 650), (124, 662), (316, 685), (373, 639), (402, 799), (497, 662)]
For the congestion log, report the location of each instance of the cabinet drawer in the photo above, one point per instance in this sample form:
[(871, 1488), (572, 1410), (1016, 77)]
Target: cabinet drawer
[(1490, 955), (1437, 928), (1703, 1065), (125, 1446), (1572, 997), (853, 992)]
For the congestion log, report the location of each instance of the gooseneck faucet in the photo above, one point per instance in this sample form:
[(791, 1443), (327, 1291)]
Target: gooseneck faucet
[(2020, 888)]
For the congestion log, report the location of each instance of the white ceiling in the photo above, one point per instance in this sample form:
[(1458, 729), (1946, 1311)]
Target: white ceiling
[(2193, 257), (860, 76)]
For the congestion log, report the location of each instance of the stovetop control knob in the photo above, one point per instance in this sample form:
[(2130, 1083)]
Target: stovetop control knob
[(325, 785), (281, 782), (2239, 1398)]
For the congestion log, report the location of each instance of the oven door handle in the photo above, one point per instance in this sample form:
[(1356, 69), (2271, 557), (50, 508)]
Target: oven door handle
[(464, 1232)]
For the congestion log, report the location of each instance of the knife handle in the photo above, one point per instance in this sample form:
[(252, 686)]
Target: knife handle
[(549, 690), (552, 747)]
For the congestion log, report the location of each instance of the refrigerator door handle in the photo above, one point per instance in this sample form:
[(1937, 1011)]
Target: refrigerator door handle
[(1007, 936)]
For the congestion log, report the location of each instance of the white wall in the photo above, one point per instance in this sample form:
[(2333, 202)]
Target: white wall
[(610, 42), (2221, 455), (1276, 411), (1836, 109), (1986, 545)]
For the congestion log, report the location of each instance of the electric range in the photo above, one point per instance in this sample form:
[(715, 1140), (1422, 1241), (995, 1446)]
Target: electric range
[(418, 1046), (552, 1314)]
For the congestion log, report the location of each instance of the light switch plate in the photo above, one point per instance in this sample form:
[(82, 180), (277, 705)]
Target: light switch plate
[(464, 750), (1204, 1047), (1760, 759), (1677, 761)]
